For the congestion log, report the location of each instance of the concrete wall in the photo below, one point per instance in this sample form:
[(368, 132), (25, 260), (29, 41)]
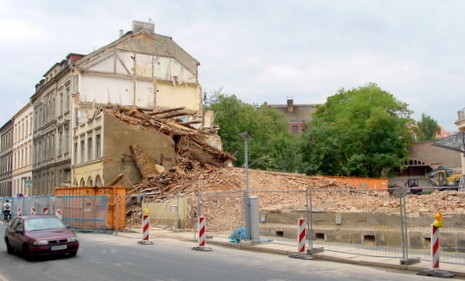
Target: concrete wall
[(174, 212), (380, 229)]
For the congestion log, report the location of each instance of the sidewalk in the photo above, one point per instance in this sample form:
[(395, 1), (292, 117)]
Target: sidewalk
[(288, 247)]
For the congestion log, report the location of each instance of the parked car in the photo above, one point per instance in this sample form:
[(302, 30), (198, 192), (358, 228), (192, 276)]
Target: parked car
[(37, 236)]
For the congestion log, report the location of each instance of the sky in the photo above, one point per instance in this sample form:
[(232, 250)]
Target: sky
[(260, 51)]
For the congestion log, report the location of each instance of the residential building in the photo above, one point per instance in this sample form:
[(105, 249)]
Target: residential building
[(71, 139), (22, 152), (51, 102), (6, 159), (141, 69), (298, 115)]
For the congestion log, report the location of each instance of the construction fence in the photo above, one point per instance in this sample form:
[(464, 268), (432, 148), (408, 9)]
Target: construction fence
[(365, 222), (356, 221), (86, 213)]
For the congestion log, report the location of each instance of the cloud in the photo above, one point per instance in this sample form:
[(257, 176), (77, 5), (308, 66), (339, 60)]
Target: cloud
[(259, 50)]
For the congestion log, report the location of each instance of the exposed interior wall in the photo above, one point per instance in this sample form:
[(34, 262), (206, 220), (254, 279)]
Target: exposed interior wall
[(117, 153), (182, 95)]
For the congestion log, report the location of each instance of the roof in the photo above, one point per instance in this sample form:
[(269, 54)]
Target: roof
[(434, 156), (455, 142), (148, 43)]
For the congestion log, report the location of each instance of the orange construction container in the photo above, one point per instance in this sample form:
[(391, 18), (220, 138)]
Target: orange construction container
[(379, 184), (90, 213)]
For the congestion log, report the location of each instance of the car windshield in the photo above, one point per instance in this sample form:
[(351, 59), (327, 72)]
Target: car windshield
[(43, 223)]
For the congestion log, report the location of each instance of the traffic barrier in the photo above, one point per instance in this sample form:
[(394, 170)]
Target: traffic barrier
[(58, 213), (45, 210), (202, 231), (435, 271), (33, 211), (146, 228), (301, 236), (202, 228), (434, 247)]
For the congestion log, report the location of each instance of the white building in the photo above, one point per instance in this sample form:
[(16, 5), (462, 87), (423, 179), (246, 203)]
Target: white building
[(22, 151)]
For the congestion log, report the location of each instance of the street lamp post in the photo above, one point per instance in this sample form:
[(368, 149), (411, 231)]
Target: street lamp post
[(246, 138)]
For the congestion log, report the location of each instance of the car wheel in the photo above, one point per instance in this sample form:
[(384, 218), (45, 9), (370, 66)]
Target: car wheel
[(9, 249), (27, 253)]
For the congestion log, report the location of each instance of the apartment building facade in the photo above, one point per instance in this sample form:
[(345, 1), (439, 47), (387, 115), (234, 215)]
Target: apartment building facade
[(22, 152), (6, 158)]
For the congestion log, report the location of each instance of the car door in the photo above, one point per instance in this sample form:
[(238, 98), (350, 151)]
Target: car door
[(14, 237)]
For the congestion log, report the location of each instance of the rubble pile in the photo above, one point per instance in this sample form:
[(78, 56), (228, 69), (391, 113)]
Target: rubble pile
[(206, 169)]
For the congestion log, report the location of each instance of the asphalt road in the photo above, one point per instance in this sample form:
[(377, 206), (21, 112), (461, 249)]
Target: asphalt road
[(120, 258)]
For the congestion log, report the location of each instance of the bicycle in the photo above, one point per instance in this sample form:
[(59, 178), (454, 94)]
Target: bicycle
[(6, 219)]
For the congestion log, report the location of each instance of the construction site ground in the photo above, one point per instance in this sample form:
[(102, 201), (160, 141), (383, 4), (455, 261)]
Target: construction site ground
[(275, 193)]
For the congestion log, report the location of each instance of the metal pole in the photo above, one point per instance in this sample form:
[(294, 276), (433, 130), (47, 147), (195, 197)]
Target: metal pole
[(309, 220), (403, 224), (246, 137)]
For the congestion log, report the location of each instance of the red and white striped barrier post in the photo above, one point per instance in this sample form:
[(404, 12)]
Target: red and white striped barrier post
[(59, 214), (434, 247), (146, 228), (301, 243), (302, 234), (202, 231), (33, 211), (45, 210), (435, 271)]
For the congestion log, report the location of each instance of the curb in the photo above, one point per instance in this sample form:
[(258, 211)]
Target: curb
[(325, 256)]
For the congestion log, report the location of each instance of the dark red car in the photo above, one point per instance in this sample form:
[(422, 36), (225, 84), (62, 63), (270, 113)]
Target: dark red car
[(37, 236)]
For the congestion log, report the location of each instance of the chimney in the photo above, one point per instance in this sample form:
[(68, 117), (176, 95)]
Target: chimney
[(121, 33), (290, 105), (147, 27)]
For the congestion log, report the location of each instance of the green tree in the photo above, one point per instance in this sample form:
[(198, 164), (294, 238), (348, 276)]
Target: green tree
[(271, 146), (359, 132), (428, 127)]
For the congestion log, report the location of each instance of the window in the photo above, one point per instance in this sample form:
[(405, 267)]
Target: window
[(98, 148), (76, 153), (294, 130), (83, 148), (89, 148)]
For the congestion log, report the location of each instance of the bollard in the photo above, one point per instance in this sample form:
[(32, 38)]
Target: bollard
[(59, 214), (435, 271), (202, 231), (146, 229), (301, 237), (302, 234), (45, 210), (33, 211), (434, 247), (202, 228)]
